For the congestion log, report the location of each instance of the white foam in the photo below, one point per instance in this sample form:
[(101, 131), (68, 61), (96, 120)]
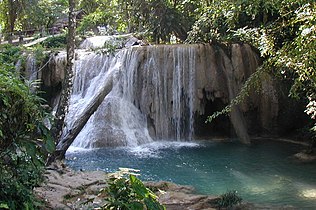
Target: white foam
[(73, 149), (154, 149)]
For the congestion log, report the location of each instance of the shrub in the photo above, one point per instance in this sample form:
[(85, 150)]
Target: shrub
[(24, 140), (58, 41), (126, 191), (229, 199)]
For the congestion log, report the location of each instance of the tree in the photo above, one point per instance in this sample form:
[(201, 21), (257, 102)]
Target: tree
[(45, 13), (67, 83), (29, 15), (12, 11), (159, 19)]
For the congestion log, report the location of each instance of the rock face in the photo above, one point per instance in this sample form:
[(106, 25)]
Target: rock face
[(167, 92)]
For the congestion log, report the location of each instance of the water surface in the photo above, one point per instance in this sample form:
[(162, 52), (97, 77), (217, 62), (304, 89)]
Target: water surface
[(261, 173)]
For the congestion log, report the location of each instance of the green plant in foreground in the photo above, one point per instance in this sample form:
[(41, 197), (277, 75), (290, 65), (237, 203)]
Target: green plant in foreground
[(126, 191), (229, 199), (25, 140)]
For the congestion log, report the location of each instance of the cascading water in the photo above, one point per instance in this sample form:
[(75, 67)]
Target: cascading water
[(116, 122), (160, 82), (148, 100), (161, 92), (31, 68), (31, 71)]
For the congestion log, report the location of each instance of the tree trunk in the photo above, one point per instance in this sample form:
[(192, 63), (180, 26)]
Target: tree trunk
[(12, 15), (67, 83), (68, 138)]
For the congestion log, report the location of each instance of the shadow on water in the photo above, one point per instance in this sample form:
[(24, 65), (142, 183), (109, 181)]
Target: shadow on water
[(262, 173)]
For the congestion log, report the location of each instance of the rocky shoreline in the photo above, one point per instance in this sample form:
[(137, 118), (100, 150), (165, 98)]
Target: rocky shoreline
[(66, 189)]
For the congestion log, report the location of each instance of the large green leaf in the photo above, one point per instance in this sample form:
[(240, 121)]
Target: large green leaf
[(4, 206), (49, 144), (138, 186), (153, 204)]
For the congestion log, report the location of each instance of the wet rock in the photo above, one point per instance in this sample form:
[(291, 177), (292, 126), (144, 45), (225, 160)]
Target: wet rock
[(305, 157), (169, 186), (132, 42)]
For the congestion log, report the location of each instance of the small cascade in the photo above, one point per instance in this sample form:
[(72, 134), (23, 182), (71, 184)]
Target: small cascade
[(117, 122), (31, 71), (160, 81), (149, 99), (31, 68), (98, 42)]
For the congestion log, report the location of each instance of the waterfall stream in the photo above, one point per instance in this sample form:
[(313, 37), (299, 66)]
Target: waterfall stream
[(163, 92), (144, 90)]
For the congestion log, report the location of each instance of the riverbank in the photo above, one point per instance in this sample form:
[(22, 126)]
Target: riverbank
[(66, 189)]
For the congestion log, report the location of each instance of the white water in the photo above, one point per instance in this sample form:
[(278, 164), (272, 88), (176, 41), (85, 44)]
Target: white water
[(98, 42), (160, 81), (150, 83), (158, 91), (116, 122), (31, 71)]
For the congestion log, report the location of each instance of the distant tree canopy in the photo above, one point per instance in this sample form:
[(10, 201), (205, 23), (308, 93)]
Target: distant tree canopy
[(159, 19), (23, 15)]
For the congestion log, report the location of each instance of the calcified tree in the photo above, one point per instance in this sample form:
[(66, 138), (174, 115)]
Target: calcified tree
[(67, 83), (66, 139)]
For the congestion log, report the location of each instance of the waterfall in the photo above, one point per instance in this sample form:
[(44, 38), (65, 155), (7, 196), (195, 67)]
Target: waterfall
[(117, 122), (160, 81), (31, 71), (31, 68), (158, 92), (153, 96)]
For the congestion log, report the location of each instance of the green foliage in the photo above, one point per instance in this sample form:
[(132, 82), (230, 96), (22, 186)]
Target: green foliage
[(9, 54), (229, 199), (111, 46), (95, 19), (221, 19), (103, 13), (58, 41), (45, 13), (158, 19), (126, 191), (24, 139), (26, 15)]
